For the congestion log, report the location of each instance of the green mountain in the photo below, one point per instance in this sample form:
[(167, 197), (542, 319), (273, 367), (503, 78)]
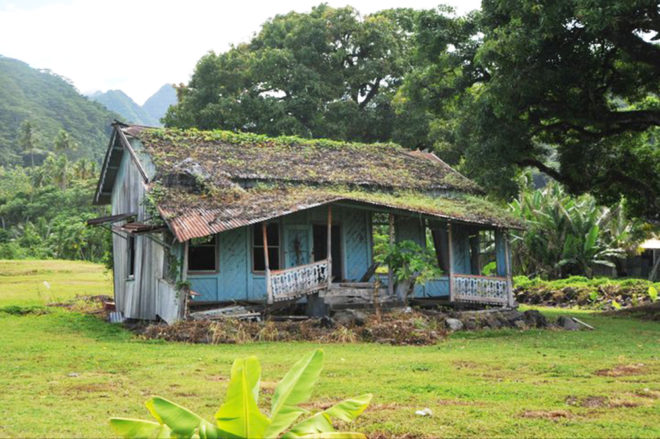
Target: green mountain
[(156, 106), (50, 103), (122, 104), (149, 114)]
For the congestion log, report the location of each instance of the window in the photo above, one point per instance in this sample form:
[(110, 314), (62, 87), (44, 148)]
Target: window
[(131, 256), (437, 239), (482, 253), (380, 239), (202, 255), (487, 259), (273, 236)]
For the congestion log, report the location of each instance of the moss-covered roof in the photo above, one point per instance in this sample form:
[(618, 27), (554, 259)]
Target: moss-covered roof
[(208, 182), (225, 157)]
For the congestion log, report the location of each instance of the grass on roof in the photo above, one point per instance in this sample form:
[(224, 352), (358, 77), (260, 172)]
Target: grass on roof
[(227, 154)]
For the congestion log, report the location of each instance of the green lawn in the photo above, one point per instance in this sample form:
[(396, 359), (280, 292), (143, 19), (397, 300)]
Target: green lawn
[(30, 282), (63, 374)]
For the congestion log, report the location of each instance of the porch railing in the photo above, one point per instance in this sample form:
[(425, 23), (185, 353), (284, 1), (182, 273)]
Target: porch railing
[(480, 289), (299, 281)]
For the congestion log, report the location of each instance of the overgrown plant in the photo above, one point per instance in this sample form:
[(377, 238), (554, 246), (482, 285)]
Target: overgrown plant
[(567, 235), (239, 416), (411, 264)]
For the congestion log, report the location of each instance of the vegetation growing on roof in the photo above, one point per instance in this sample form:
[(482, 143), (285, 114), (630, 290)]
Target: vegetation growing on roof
[(230, 208), (227, 157)]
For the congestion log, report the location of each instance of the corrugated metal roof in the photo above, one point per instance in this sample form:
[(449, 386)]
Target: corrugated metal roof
[(199, 221)]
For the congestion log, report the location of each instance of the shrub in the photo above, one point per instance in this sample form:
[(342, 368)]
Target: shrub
[(240, 417)]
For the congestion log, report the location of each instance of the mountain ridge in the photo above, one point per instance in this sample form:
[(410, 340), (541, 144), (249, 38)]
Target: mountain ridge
[(50, 103), (150, 113)]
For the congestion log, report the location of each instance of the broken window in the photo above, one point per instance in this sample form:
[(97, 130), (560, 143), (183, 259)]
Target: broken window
[(131, 256), (202, 255), (273, 237)]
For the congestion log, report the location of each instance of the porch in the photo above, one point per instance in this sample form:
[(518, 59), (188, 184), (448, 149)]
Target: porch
[(330, 250)]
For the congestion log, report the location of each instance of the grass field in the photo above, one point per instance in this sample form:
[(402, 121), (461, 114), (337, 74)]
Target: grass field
[(63, 374)]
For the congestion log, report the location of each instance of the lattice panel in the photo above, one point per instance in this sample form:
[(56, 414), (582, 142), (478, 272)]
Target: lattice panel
[(298, 281), (480, 289)]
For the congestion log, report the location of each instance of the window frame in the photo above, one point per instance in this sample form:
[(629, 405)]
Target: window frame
[(131, 251), (254, 245), (216, 256)]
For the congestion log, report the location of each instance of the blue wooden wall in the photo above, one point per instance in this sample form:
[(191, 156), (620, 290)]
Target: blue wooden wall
[(235, 279)]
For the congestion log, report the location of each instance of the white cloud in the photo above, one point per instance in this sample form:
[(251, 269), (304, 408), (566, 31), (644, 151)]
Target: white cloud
[(138, 45)]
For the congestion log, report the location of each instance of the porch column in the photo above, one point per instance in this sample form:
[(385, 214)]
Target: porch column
[(183, 312), (509, 286), (269, 290), (390, 273), (329, 255), (451, 262)]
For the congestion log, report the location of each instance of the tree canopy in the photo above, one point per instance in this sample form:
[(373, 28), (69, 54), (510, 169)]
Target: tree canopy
[(327, 73), (569, 87)]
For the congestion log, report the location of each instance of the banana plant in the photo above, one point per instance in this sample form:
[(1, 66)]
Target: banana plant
[(239, 416)]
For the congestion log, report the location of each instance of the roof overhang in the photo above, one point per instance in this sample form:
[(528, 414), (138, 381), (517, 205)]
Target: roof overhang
[(111, 163), (200, 221)]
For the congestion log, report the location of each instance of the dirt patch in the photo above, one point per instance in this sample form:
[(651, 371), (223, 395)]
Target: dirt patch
[(648, 393), (594, 402), (546, 414), (622, 370), (457, 402), (89, 388), (387, 435), (465, 364)]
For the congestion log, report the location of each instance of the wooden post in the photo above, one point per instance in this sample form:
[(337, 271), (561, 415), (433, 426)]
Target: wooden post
[(269, 290), (507, 255), (451, 263), (329, 255), (390, 273), (183, 312)]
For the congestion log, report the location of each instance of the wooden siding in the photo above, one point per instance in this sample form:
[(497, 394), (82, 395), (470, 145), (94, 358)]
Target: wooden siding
[(144, 295)]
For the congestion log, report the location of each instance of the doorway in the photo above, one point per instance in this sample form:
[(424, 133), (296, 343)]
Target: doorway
[(321, 248)]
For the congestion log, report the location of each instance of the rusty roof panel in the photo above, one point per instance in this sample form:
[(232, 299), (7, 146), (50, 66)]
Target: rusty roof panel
[(262, 205)]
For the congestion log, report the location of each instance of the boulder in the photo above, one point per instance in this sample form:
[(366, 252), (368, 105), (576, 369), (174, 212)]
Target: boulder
[(454, 324), (534, 319), (567, 323), (350, 317)]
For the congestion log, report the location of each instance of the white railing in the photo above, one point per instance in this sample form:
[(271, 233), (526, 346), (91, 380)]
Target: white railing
[(481, 289), (299, 281)]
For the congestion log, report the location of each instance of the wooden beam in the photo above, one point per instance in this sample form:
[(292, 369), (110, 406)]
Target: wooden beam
[(390, 273), (269, 290), (126, 144), (451, 263), (329, 255)]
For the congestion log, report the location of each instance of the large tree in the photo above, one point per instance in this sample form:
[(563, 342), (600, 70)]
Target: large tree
[(327, 73), (566, 86)]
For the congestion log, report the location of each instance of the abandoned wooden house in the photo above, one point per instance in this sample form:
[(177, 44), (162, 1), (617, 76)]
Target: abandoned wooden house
[(224, 217)]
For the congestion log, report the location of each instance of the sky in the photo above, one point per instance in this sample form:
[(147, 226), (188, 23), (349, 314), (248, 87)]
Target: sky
[(139, 45)]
